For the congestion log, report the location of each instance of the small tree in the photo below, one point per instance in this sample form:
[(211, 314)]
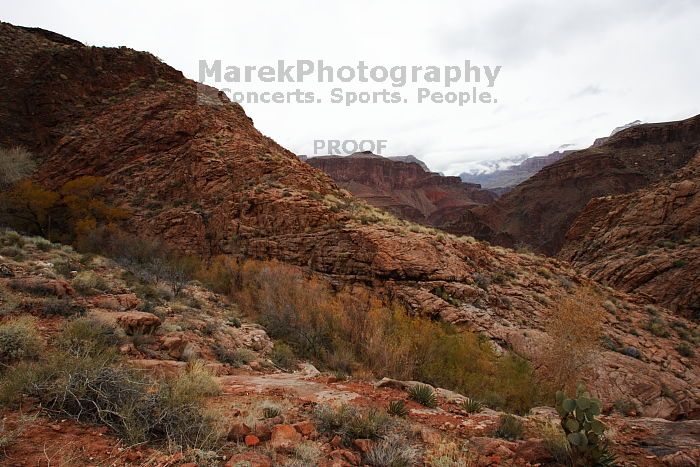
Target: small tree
[(28, 206), (178, 271), (574, 329)]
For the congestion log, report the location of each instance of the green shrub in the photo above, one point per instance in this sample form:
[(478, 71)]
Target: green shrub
[(19, 339), (351, 423), (33, 287), (42, 244), (305, 454), (10, 237), (509, 427), (625, 407), (89, 336), (60, 307), (397, 408), (283, 356), (209, 329), (657, 327), (234, 321), (197, 381), (97, 390), (235, 357), (64, 268), (271, 410), (424, 395), (482, 281), (470, 405), (89, 283), (585, 434), (685, 350), (393, 451), (554, 440), (12, 252)]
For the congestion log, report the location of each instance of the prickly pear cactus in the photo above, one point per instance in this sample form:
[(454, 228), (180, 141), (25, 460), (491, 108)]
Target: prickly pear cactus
[(584, 433)]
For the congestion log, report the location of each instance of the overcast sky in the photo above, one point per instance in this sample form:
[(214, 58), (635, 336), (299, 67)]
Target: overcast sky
[(571, 70)]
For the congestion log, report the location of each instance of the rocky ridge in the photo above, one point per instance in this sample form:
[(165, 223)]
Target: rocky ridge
[(402, 186), (646, 241), (539, 211), (193, 171)]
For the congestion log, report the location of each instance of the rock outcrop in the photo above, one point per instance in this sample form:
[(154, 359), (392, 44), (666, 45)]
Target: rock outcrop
[(647, 241), (193, 171), (402, 186)]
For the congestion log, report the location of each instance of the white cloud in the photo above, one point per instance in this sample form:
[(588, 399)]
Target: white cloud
[(572, 71)]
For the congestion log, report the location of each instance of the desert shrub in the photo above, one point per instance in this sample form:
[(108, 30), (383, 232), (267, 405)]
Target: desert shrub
[(235, 357), (393, 451), (353, 331), (685, 350), (575, 330), (209, 328), (515, 385), (657, 327), (397, 408), (32, 287), (64, 268), (482, 281), (95, 389), (60, 307), (19, 339), (178, 271), (89, 283), (631, 351), (351, 423), (9, 303), (450, 454), (42, 244), (471, 405), (11, 237), (222, 275), (610, 306), (270, 410), (509, 427), (305, 454), (424, 395), (89, 336), (195, 382), (625, 407), (14, 252), (234, 321), (554, 440), (283, 356), (15, 164)]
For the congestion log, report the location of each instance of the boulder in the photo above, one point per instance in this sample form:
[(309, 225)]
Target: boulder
[(306, 428), (238, 432), (284, 437), (137, 322)]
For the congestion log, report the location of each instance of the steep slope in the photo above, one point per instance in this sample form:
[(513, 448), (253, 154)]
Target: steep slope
[(646, 241), (539, 211), (193, 170), (402, 187), (503, 179)]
